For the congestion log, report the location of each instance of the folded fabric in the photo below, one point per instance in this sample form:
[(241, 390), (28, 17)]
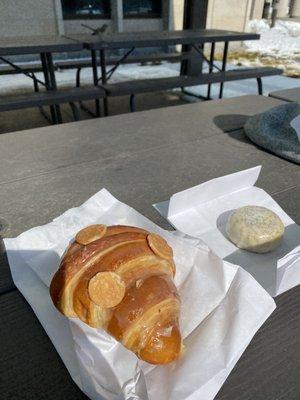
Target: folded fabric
[(272, 131)]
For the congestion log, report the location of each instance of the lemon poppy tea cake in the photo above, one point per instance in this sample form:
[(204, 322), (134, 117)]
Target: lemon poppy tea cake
[(120, 278), (255, 229)]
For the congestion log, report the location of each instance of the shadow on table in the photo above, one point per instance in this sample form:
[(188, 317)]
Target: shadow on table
[(222, 221), (230, 122), (43, 263), (233, 124), (6, 282), (263, 267)]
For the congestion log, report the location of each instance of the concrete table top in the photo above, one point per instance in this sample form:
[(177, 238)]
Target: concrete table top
[(292, 95), (142, 158)]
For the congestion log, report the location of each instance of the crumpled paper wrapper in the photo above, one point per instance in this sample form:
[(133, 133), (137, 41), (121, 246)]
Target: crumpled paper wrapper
[(222, 308), (202, 212)]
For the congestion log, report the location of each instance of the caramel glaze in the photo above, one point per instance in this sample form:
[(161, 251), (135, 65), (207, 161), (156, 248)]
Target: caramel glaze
[(144, 322), (74, 262)]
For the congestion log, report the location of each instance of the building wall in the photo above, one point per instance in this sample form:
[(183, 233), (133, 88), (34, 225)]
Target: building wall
[(283, 8), (225, 14), (24, 17), (234, 16), (295, 11), (140, 24), (257, 9), (27, 17), (228, 14), (178, 10)]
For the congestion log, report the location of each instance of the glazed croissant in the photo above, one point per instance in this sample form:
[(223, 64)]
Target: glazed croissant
[(120, 278)]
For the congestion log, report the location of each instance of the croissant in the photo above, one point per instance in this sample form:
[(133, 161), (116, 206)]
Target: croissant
[(120, 278)]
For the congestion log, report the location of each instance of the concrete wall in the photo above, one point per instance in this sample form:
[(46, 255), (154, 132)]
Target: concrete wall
[(147, 24), (224, 14), (44, 17), (295, 11), (257, 9), (27, 17), (233, 16), (178, 10), (283, 8)]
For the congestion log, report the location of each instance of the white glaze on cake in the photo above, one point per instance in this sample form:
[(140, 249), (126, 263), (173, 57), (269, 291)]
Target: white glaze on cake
[(255, 228)]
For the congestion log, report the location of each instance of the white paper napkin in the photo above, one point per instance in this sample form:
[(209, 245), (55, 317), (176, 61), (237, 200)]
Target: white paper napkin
[(202, 212), (222, 308)]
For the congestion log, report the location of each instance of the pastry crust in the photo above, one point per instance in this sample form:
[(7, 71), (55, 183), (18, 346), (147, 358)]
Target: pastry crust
[(121, 279)]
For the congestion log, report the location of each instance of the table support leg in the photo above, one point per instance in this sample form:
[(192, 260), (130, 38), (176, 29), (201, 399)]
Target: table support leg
[(47, 84), (132, 103), (211, 62), (225, 53), (53, 83), (95, 78), (259, 86), (103, 78), (75, 111)]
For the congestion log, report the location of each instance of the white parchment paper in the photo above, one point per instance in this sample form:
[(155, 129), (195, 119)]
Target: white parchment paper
[(222, 308), (202, 212)]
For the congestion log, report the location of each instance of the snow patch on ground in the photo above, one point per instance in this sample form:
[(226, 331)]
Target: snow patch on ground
[(283, 40)]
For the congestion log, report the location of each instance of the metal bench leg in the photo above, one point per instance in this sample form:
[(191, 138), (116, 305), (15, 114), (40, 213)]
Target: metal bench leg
[(37, 89), (48, 86), (95, 78), (132, 103), (78, 77), (104, 79), (35, 83), (75, 111), (211, 67), (225, 53), (259, 86), (52, 80)]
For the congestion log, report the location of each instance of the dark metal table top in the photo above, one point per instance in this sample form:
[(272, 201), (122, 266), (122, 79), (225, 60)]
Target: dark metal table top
[(37, 44), (141, 158), (160, 38)]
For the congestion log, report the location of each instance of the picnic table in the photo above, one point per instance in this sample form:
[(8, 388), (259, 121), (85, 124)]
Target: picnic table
[(193, 42), (190, 38), (45, 46), (141, 159)]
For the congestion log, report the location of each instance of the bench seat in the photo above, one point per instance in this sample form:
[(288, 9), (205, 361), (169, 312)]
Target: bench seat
[(159, 84), (44, 98)]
